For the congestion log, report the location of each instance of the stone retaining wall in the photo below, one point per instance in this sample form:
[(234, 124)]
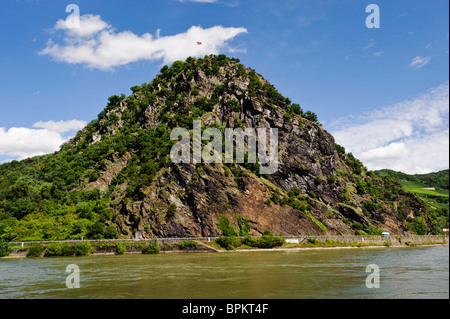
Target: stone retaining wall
[(173, 244)]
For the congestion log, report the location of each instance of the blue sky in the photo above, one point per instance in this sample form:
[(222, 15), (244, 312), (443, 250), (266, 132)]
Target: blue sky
[(382, 92)]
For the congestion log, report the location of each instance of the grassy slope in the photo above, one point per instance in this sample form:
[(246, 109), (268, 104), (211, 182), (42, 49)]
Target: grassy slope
[(420, 189), (429, 196)]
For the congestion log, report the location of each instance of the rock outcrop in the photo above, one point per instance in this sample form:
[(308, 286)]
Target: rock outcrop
[(316, 189)]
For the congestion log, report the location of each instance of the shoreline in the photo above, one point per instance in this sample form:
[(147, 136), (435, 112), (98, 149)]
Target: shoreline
[(23, 254), (334, 247)]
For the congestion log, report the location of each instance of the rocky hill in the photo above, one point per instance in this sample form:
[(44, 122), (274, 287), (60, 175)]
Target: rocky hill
[(116, 177)]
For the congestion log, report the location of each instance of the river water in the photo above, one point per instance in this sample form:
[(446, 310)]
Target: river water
[(325, 274)]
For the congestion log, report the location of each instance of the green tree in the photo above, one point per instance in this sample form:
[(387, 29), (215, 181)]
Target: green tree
[(244, 225), (115, 99), (419, 225), (5, 249), (136, 88), (19, 190), (311, 116), (296, 109), (84, 210), (111, 232), (226, 227), (22, 207)]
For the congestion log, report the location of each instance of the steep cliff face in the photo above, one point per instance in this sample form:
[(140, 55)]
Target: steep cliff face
[(316, 188)]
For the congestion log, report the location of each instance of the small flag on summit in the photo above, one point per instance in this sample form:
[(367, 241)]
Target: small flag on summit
[(199, 43)]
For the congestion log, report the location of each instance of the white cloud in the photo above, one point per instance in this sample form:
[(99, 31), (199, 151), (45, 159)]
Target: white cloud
[(411, 136), (98, 46), (89, 25), (23, 142), (391, 152), (420, 61), (44, 138), (61, 126)]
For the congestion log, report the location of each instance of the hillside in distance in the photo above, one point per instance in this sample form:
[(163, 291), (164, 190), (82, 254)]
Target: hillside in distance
[(431, 188), (434, 180), (116, 179)]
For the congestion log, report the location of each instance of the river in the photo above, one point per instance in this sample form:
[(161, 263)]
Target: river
[(326, 274)]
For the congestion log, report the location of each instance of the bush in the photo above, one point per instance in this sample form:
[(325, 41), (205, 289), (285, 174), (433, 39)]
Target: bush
[(244, 225), (318, 180), (226, 227), (234, 105), (296, 109), (205, 104), (67, 249), (96, 231), (121, 248), (312, 116), (5, 249), (171, 210), (228, 243), (82, 249), (111, 232), (19, 190), (419, 225), (370, 206), (275, 198), (332, 179), (312, 194), (36, 250), (250, 241), (53, 250), (287, 117), (84, 210), (340, 148), (188, 244), (296, 191), (150, 248), (267, 241)]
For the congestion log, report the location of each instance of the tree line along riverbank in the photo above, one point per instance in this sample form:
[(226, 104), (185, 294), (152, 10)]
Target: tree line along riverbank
[(208, 244)]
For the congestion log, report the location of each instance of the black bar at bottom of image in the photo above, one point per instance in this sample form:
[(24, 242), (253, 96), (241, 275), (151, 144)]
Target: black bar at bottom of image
[(233, 309)]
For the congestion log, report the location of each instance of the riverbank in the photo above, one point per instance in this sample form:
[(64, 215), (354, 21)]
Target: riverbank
[(210, 244), (349, 242), (294, 249), (99, 248)]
